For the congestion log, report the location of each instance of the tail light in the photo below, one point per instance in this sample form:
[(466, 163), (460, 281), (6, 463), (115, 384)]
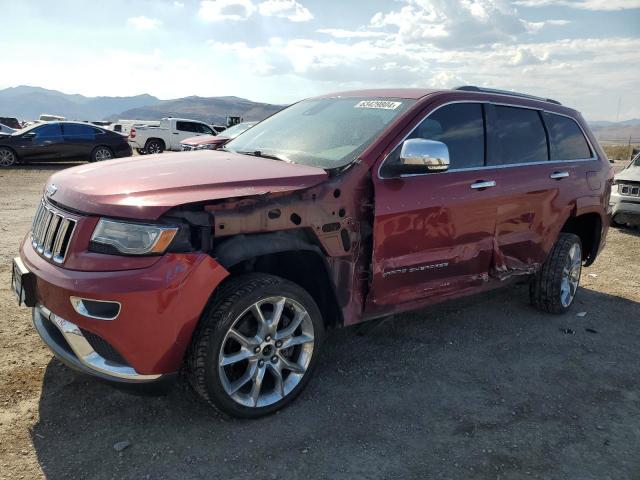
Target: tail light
[(132, 133)]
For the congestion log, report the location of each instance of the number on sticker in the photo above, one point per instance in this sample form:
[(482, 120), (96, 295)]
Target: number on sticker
[(383, 104)]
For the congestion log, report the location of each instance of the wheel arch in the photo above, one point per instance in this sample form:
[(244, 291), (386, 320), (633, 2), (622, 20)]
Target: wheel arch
[(587, 226), (150, 139), (9, 147), (289, 255)]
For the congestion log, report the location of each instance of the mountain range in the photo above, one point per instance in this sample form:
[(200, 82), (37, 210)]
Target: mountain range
[(28, 103)]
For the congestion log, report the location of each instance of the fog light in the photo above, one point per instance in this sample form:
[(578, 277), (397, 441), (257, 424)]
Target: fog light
[(98, 309)]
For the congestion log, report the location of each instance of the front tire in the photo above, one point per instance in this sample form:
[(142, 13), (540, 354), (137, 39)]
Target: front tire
[(554, 287), (8, 157), (256, 347)]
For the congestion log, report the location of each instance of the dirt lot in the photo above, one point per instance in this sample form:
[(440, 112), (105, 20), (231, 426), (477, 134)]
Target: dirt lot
[(484, 388)]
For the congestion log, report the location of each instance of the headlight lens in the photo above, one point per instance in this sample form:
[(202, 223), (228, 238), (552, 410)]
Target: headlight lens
[(111, 236), (205, 146)]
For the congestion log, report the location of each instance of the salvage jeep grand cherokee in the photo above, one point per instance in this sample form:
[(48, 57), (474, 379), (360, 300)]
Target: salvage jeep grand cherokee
[(230, 264)]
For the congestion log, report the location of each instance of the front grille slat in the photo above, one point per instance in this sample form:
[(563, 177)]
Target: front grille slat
[(51, 232)]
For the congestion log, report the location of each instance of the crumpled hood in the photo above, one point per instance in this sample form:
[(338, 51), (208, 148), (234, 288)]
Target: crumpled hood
[(630, 174), (146, 187), (205, 139)]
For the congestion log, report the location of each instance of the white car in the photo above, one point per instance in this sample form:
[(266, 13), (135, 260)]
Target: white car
[(6, 130), (167, 136), (625, 195)]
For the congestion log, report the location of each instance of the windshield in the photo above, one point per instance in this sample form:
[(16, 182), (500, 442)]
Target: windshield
[(326, 132), (233, 132)]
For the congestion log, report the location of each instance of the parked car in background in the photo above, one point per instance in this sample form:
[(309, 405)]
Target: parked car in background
[(167, 136), (45, 117), (11, 122), (625, 195), (230, 264), (211, 142), (51, 141), (6, 130)]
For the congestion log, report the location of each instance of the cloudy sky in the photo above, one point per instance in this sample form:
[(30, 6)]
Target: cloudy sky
[(585, 53)]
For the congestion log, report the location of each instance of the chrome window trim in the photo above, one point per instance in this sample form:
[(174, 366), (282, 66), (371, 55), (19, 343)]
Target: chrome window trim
[(487, 167)]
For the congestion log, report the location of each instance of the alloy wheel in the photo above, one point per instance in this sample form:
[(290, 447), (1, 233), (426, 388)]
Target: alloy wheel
[(103, 154), (7, 157), (571, 275), (266, 352)]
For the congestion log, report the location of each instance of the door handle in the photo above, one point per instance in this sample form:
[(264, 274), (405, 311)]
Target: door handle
[(559, 175), (483, 184), (176, 133)]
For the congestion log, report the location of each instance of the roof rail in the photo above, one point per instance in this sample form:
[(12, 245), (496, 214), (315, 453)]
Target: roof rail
[(473, 88)]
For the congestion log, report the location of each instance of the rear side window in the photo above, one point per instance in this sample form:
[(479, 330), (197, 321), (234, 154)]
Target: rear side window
[(186, 127), (566, 138), (79, 132), (520, 136), (460, 127)]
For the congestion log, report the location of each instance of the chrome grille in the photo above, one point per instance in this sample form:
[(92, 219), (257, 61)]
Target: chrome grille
[(51, 233), (631, 190)]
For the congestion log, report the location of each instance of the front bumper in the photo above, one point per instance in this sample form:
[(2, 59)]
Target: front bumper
[(69, 345), (624, 207), (161, 305)]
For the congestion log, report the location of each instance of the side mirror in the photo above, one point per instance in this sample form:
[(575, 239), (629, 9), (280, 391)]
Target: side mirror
[(419, 156)]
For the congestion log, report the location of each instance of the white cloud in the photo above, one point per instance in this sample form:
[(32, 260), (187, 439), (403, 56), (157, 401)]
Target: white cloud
[(583, 4), (289, 9), (219, 10), (178, 4), (453, 24), (340, 33), (144, 23)]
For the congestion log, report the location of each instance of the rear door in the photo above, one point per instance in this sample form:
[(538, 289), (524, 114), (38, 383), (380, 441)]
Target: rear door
[(433, 233), (535, 189), (183, 130), (79, 140)]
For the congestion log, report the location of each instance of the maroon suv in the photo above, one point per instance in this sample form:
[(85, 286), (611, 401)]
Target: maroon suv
[(339, 209)]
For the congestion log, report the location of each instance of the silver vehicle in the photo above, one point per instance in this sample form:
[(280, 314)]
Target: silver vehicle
[(625, 195), (6, 130)]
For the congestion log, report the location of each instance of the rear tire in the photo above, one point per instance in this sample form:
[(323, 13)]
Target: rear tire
[(554, 287), (101, 153), (8, 157), (256, 346), (154, 146)]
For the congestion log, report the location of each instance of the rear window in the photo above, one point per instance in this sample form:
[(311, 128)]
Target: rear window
[(566, 138), (520, 136)]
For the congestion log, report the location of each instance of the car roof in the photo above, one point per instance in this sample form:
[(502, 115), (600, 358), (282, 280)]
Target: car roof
[(410, 93), (466, 92)]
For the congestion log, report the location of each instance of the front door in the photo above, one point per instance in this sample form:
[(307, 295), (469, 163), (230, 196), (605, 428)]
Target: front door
[(434, 233), (42, 143)]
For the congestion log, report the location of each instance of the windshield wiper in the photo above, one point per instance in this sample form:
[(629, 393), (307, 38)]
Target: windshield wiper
[(259, 153)]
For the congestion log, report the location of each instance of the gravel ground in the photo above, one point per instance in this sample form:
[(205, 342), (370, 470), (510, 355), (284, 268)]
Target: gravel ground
[(482, 388)]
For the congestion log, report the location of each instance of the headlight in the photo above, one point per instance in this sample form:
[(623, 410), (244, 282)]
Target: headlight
[(115, 237), (206, 146)]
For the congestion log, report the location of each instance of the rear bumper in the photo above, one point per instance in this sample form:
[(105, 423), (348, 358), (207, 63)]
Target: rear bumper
[(160, 307), (123, 151)]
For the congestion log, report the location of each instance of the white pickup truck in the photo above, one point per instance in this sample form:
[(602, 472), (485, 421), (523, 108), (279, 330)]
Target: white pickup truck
[(166, 136)]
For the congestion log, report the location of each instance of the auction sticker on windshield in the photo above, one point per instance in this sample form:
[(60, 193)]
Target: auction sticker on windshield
[(383, 104)]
